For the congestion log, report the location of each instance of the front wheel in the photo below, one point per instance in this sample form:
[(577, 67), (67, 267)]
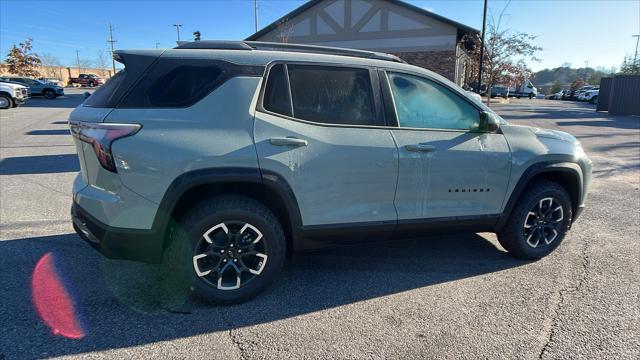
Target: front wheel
[(5, 102), (91, 84), (539, 222), (237, 248)]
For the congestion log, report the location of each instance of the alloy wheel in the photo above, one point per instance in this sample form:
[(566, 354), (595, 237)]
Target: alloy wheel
[(230, 254), (543, 222)]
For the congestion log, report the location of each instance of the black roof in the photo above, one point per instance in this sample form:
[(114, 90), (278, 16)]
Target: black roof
[(403, 4)]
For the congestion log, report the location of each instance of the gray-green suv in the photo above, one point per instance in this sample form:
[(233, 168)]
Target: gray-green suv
[(246, 152)]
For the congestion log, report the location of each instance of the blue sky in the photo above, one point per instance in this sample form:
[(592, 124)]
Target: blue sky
[(569, 30)]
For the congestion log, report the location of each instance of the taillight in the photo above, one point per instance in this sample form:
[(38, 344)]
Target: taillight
[(100, 136)]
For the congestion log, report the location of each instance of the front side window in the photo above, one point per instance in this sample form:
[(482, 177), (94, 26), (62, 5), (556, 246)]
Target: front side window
[(332, 95), (421, 103)]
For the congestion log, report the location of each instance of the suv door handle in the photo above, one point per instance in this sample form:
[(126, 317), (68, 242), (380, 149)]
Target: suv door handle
[(287, 141), (420, 148)]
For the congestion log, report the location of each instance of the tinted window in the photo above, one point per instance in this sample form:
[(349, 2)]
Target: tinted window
[(106, 94), (421, 103), (174, 82), (333, 95), (276, 93)]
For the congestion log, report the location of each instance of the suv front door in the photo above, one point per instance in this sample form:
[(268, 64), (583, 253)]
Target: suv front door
[(317, 126), (449, 169)]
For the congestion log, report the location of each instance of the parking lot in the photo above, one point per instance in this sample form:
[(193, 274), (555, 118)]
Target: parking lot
[(456, 296)]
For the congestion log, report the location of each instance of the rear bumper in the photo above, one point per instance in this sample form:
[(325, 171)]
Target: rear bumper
[(117, 243)]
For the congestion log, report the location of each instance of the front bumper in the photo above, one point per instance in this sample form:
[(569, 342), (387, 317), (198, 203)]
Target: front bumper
[(118, 243)]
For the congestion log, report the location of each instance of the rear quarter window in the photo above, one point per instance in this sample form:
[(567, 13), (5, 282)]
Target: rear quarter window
[(174, 82)]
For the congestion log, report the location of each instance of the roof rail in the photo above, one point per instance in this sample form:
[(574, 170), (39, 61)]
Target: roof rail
[(273, 46)]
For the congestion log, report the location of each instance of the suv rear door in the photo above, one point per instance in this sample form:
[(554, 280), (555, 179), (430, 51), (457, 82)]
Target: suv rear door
[(328, 143), (449, 170)]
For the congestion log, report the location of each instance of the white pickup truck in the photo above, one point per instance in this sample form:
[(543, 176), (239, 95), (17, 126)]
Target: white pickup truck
[(12, 94)]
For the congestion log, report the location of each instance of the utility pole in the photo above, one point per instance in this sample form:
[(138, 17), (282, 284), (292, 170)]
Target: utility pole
[(78, 60), (255, 13), (111, 42), (178, 26), (484, 28), (635, 56), (157, 44)]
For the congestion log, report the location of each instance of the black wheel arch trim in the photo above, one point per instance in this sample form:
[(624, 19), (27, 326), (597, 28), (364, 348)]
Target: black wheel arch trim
[(531, 172), (189, 180)]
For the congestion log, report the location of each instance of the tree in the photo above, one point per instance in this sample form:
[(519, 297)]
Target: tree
[(556, 87), (505, 53), (629, 66), (22, 61), (284, 30), (102, 62), (577, 84), (50, 65)]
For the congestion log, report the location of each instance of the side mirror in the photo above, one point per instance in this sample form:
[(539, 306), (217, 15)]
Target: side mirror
[(488, 122), (86, 94)]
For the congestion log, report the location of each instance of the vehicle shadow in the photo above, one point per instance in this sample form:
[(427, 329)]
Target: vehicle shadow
[(66, 101), (107, 293), (39, 164)]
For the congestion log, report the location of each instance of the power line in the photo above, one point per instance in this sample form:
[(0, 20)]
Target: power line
[(111, 42)]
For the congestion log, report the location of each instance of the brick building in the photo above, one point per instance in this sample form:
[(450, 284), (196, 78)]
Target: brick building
[(416, 35)]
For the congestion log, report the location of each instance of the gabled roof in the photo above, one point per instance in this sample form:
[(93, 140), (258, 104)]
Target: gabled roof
[(309, 4)]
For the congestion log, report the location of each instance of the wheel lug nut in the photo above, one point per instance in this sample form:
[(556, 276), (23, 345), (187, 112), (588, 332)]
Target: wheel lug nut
[(235, 260), (231, 245), (224, 260), (221, 251), (239, 251)]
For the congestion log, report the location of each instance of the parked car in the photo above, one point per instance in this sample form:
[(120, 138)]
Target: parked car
[(224, 168), (90, 80), (54, 81), (556, 96), (12, 94), (37, 87), (587, 95), (578, 92), (499, 91), (524, 90)]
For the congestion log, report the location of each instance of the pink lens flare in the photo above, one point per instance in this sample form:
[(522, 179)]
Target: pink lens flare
[(52, 301)]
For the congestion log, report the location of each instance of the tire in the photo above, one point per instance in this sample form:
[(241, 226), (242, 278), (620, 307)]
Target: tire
[(594, 100), (530, 96), (91, 84), (265, 239), (5, 102), (49, 94), (518, 239)]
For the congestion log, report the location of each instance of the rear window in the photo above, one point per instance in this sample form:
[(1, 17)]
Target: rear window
[(106, 95)]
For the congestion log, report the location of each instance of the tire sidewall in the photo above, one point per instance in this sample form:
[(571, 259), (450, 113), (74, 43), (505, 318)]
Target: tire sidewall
[(521, 213), (9, 101), (275, 253)]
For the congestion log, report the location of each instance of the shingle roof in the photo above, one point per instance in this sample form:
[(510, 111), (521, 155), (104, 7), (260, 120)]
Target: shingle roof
[(299, 10)]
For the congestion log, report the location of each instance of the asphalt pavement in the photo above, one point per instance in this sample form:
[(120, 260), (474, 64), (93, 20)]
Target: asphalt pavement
[(457, 296)]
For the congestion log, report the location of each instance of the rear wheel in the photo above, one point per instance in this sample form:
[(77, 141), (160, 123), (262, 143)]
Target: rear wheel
[(5, 102), (539, 222), (237, 248), (91, 84), (49, 94)]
